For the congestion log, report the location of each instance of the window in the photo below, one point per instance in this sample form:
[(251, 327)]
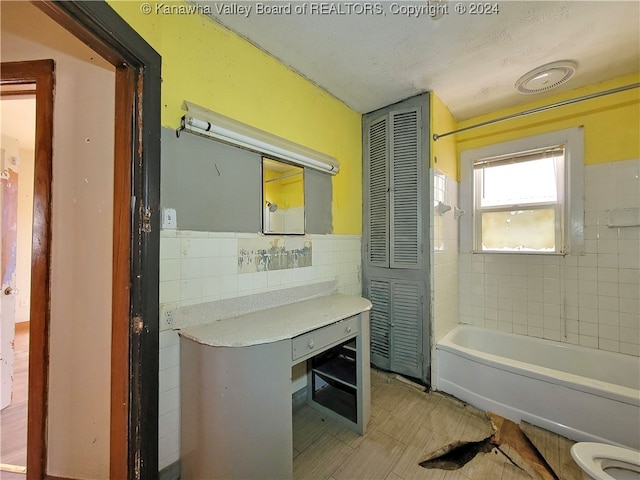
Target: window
[(518, 201), (525, 196)]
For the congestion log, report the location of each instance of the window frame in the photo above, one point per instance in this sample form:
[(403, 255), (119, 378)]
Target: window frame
[(571, 205)]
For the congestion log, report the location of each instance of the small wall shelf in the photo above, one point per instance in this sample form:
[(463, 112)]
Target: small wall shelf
[(624, 217)]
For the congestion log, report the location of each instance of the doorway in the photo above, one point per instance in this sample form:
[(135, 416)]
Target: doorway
[(38, 74), (17, 148), (132, 446)]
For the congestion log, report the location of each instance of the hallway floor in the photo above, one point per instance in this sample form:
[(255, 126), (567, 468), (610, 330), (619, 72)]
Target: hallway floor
[(406, 425), (13, 419)]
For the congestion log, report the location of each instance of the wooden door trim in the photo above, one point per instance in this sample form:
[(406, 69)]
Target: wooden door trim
[(135, 326), (40, 73), (125, 78)]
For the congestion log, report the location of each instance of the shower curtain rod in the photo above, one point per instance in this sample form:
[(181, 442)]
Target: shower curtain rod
[(538, 110)]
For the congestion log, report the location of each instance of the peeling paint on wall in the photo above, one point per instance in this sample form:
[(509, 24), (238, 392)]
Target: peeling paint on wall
[(273, 253)]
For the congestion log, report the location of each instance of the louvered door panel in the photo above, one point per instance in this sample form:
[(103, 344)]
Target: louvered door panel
[(406, 330), (378, 209), (379, 292), (395, 168), (405, 208)]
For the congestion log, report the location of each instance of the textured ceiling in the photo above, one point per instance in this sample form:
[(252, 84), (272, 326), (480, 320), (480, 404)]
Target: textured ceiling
[(471, 61)]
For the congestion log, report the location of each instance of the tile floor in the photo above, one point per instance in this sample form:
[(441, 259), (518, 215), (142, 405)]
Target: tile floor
[(406, 424)]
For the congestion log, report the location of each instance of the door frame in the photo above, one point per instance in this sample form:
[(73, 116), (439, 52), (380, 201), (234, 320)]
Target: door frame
[(136, 240), (41, 74)]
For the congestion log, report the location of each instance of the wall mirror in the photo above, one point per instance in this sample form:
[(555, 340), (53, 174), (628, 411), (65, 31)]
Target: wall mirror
[(282, 197)]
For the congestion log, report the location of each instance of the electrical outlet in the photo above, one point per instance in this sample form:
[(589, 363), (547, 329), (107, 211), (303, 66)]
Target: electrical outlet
[(167, 315)]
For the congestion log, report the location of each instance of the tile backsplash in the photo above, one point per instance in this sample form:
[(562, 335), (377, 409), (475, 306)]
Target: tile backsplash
[(267, 254), (202, 267)]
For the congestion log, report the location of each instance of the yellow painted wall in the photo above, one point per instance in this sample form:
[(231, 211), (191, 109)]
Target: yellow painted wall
[(211, 66), (611, 123), (444, 153), (270, 190), (293, 193)]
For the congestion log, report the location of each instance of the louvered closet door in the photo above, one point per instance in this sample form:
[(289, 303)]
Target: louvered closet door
[(378, 205), (393, 189), (379, 293), (406, 328), (405, 205), (396, 325), (395, 159)]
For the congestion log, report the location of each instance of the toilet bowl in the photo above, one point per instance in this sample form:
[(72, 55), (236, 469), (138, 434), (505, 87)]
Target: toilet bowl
[(600, 461)]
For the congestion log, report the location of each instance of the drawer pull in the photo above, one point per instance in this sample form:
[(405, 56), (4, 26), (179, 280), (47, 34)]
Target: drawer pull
[(311, 345), (349, 329)]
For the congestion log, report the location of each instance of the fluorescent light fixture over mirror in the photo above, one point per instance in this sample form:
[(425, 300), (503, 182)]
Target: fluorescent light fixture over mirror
[(201, 121)]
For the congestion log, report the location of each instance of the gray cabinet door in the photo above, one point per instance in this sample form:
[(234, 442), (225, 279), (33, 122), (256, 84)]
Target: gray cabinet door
[(396, 325), (405, 205), (377, 197), (395, 222)]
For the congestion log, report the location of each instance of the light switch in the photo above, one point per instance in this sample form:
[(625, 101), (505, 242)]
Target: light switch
[(169, 219)]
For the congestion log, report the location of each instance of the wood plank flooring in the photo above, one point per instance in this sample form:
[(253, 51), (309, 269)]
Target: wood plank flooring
[(13, 419), (406, 425)]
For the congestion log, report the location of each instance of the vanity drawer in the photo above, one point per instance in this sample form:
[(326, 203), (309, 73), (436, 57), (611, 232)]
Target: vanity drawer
[(315, 341)]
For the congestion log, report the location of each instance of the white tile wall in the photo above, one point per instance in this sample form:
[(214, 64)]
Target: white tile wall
[(591, 300), (200, 267), (444, 258)]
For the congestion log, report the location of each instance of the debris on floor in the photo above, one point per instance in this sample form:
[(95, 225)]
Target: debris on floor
[(525, 446), (549, 445), (457, 454), (517, 447)]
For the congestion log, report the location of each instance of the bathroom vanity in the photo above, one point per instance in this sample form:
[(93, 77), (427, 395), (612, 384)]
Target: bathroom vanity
[(236, 398)]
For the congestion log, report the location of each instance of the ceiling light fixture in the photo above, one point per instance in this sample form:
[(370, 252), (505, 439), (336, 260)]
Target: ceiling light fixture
[(546, 77)]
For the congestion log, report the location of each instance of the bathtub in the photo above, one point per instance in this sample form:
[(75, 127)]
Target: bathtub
[(581, 393)]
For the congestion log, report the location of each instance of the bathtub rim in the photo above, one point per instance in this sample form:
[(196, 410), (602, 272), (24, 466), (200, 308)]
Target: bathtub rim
[(580, 428), (558, 377)]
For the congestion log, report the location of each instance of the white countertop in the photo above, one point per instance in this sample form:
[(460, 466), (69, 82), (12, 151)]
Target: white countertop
[(277, 323)]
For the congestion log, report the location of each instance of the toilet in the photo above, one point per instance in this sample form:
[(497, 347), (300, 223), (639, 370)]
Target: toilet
[(600, 461)]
